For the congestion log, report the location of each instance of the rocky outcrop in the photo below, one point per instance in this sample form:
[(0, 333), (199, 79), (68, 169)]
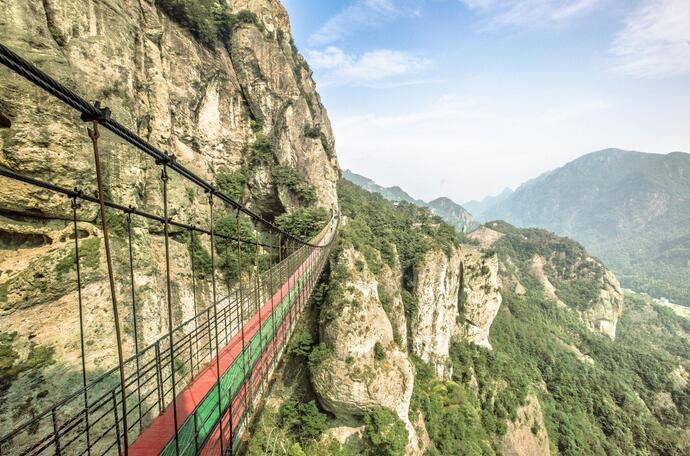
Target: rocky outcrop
[(437, 290), (390, 295), (207, 105), (604, 312), (486, 237), (452, 213), (480, 298), (538, 263), (457, 297), (366, 368), (526, 435)]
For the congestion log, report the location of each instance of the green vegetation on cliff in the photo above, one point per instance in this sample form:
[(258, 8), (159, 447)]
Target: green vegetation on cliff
[(598, 397), (631, 209), (210, 21), (376, 224)]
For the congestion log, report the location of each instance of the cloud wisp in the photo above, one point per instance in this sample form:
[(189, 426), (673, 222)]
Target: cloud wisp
[(362, 14), (529, 13), (655, 41), (374, 68)]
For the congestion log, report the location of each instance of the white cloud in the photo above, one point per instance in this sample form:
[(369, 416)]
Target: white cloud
[(328, 59), (335, 67), (655, 41), (359, 14), (529, 13), (448, 106)]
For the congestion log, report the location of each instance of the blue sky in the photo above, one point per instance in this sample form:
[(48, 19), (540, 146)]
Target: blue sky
[(462, 98)]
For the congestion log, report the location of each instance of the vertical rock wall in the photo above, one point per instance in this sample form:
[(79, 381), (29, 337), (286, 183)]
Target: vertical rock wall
[(207, 105)]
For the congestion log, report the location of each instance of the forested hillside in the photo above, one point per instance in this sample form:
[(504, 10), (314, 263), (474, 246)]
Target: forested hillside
[(556, 380), (631, 209), (450, 211)]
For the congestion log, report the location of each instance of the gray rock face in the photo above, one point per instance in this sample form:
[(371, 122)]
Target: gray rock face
[(457, 296), (356, 379), (437, 290), (526, 435), (603, 314), (206, 106), (480, 298), (352, 381)]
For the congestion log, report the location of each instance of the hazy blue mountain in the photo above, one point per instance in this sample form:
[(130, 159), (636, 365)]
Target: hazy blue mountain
[(477, 208), (453, 213), (450, 211), (632, 209)]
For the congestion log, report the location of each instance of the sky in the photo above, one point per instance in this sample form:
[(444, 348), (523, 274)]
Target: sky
[(462, 98)]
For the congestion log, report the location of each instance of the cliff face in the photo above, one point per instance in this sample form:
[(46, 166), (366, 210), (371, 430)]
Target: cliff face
[(606, 309), (437, 290), (453, 213), (366, 368), (457, 297), (371, 339), (563, 269), (216, 108), (481, 298)]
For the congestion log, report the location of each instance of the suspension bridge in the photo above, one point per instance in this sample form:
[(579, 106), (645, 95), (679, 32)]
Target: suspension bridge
[(193, 389)]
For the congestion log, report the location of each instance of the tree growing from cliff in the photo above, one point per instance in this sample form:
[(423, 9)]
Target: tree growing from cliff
[(305, 420), (385, 432)]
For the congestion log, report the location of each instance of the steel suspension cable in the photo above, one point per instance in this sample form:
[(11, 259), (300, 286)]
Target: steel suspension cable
[(164, 179), (273, 314), (95, 112), (75, 206), (84, 197), (259, 302), (280, 277), (94, 135)]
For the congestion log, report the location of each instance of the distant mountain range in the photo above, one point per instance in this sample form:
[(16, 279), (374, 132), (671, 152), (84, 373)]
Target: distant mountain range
[(478, 208), (631, 209), (447, 209)]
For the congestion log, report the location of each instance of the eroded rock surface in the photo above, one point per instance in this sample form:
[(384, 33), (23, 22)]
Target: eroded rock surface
[(481, 298), (207, 105), (437, 289), (366, 368), (527, 434), (604, 312)]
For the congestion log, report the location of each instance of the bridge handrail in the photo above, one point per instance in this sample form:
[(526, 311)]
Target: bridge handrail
[(93, 383), (101, 116)]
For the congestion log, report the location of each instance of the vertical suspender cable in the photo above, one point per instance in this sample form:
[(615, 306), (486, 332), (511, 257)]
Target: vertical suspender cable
[(273, 313), (291, 289), (280, 280), (192, 241), (259, 305), (239, 277), (168, 283), (94, 135), (76, 206), (134, 314), (215, 326)]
